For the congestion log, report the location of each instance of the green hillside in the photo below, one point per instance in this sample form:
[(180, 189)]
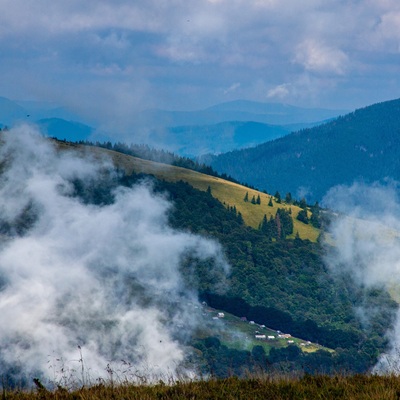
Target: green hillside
[(227, 192), (281, 284), (288, 275)]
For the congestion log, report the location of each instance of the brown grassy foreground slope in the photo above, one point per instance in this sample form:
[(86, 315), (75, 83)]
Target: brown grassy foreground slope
[(360, 387), (228, 193)]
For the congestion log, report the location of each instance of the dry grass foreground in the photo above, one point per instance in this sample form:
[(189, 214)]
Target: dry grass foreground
[(229, 193), (308, 387)]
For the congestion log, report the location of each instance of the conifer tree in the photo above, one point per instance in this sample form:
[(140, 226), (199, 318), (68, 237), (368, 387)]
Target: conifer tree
[(258, 201), (314, 219), (270, 202), (278, 226), (303, 204), (253, 200), (286, 222), (264, 224), (302, 216), (246, 197)]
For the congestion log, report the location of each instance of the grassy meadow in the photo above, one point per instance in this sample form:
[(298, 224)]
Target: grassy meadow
[(229, 193), (357, 387), (239, 334)]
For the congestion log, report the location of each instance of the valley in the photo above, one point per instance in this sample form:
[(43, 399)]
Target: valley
[(282, 284), (199, 200)]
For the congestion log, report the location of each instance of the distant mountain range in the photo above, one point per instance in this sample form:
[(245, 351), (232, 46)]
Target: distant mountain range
[(228, 126), (363, 145), (52, 120), (195, 140), (217, 129), (239, 110)]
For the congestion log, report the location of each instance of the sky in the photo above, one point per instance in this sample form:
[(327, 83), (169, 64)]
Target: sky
[(108, 59)]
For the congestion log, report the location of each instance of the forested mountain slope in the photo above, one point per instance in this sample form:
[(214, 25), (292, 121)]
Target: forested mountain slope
[(363, 145), (283, 284), (274, 281)]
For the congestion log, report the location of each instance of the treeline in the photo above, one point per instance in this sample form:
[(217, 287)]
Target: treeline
[(279, 320), (222, 361), (162, 156), (146, 152), (360, 145)]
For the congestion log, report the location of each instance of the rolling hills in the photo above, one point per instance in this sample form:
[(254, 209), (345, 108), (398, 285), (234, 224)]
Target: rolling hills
[(274, 281), (229, 193), (282, 284), (363, 145)]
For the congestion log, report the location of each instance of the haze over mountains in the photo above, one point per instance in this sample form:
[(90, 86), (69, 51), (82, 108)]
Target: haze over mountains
[(252, 141), (51, 119), (217, 129), (240, 110)]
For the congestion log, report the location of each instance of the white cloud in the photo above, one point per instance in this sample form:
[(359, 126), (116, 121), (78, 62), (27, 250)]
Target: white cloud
[(366, 248), (315, 57), (232, 88), (388, 31), (279, 92), (106, 278)]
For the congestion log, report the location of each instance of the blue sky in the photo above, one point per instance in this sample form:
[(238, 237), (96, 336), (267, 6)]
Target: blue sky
[(106, 59)]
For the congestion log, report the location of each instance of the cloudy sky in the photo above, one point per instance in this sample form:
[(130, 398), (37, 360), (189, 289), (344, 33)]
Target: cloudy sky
[(106, 58)]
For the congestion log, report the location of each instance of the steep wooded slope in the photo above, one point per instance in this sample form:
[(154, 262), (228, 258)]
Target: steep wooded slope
[(363, 145)]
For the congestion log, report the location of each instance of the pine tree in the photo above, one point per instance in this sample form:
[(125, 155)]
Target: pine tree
[(264, 224), (209, 189), (246, 197), (270, 202), (258, 201), (278, 226), (278, 197), (253, 200), (286, 222), (302, 216), (273, 231), (303, 204), (315, 219), (288, 198)]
